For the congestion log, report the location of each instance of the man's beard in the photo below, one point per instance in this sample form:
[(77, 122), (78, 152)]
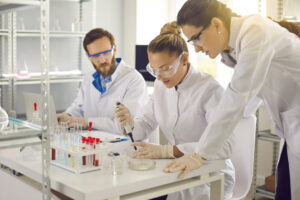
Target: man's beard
[(111, 68)]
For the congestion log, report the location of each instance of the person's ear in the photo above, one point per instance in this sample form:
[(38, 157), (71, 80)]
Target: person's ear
[(185, 58), (217, 24), (87, 54), (115, 49)]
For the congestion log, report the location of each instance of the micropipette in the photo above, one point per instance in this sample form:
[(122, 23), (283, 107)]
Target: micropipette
[(127, 127)]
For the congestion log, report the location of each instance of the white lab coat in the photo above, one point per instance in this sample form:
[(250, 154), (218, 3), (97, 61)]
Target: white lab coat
[(127, 86), (268, 67), (182, 116)]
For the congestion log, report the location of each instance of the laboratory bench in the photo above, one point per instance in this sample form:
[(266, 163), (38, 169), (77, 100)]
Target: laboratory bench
[(101, 184)]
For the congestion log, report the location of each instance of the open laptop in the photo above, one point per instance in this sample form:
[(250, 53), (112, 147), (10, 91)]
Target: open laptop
[(30, 98)]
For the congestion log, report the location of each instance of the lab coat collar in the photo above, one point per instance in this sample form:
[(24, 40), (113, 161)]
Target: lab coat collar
[(120, 71), (185, 83), (234, 30)]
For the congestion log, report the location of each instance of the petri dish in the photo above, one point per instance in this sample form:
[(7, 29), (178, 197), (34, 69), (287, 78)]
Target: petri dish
[(141, 164)]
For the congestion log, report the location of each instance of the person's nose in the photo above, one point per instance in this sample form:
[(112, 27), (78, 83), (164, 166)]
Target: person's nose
[(159, 77), (101, 59), (198, 48)]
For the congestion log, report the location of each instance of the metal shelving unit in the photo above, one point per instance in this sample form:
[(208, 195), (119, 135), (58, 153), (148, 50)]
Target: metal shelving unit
[(17, 137), (10, 79), (13, 5), (269, 137)]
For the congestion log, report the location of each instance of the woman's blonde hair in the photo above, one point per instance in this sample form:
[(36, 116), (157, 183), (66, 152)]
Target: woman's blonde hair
[(168, 40)]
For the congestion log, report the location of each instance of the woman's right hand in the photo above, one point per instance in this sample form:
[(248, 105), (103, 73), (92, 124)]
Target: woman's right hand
[(63, 117), (123, 116)]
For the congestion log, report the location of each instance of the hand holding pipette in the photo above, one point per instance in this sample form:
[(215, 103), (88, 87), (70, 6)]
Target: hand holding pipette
[(125, 120)]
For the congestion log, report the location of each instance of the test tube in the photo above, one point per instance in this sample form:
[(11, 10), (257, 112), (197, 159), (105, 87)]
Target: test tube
[(72, 161), (71, 139), (97, 160), (84, 149)]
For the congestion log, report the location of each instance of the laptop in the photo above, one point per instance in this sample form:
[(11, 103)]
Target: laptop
[(30, 99)]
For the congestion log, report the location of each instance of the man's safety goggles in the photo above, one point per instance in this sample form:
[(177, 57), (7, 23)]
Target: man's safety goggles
[(104, 54)]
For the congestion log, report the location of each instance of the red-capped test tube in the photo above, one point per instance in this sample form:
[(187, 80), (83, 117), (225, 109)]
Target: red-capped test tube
[(83, 140)]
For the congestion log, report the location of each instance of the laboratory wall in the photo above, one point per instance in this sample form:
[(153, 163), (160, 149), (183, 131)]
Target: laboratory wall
[(142, 22), (65, 52), (288, 8)]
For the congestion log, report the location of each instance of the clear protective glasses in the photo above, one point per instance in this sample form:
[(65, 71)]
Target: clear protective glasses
[(165, 71), (104, 55), (197, 40)]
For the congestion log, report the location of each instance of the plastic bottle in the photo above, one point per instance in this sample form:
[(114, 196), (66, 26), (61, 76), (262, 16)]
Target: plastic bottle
[(36, 119)]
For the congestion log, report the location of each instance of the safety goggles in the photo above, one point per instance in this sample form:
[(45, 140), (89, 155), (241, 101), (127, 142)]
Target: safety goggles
[(197, 39), (166, 71), (102, 55)]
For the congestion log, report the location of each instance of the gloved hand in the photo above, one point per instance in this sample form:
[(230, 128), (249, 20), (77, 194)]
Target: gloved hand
[(123, 116), (152, 151), (73, 120), (63, 117), (185, 164)]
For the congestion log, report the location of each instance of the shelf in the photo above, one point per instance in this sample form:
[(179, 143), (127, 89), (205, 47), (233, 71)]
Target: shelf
[(4, 81), (3, 32), (19, 138), (76, 1), (294, 21), (57, 34), (267, 136), (37, 79), (55, 79), (13, 5), (265, 193)]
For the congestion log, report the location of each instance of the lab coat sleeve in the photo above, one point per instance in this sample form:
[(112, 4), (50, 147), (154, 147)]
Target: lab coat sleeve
[(134, 97), (210, 99), (76, 110), (145, 122), (253, 62)]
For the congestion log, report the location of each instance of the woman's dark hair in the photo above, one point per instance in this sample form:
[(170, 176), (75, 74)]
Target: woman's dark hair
[(96, 34), (169, 40), (290, 26), (200, 12)]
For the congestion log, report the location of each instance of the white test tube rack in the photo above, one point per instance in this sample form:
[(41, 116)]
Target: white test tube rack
[(78, 156)]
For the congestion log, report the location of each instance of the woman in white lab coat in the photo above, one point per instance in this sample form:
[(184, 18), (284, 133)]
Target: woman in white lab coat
[(180, 106), (266, 62)]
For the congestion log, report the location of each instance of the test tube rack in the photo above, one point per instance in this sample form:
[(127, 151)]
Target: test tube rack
[(77, 160)]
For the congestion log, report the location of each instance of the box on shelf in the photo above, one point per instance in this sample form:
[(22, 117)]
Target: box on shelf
[(270, 183)]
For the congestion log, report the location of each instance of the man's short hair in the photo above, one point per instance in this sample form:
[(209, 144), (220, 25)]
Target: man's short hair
[(96, 34)]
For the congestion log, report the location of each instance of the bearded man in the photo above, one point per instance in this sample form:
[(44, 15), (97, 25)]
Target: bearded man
[(112, 81)]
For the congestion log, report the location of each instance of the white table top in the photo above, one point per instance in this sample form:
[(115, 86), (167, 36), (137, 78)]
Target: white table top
[(99, 184)]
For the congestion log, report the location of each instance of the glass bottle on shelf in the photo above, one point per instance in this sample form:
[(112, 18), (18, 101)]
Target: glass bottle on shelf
[(57, 26), (36, 117), (23, 73), (22, 25)]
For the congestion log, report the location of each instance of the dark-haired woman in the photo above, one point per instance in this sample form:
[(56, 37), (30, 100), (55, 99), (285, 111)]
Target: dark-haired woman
[(266, 62)]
